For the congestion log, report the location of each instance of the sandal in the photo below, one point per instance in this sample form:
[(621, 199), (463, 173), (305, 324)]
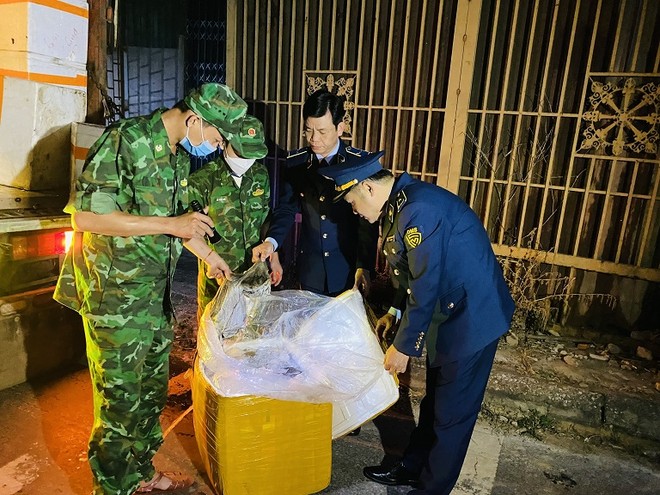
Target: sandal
[(175, 486)]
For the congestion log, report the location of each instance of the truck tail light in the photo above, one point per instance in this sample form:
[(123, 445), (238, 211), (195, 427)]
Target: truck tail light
[(40, 245)]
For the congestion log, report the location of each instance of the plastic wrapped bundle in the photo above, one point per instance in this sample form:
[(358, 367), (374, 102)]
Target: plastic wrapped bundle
[(256, 445), (288, 345)]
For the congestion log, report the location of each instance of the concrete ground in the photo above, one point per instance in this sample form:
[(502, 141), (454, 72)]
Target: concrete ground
[(550, 425), (44, 429)]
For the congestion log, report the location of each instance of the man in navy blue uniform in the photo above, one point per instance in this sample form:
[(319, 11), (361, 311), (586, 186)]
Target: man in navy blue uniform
[(457, 303), (336, 249)]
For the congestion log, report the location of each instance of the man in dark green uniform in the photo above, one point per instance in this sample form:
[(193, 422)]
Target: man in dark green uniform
[(236, 190), (129, 214)]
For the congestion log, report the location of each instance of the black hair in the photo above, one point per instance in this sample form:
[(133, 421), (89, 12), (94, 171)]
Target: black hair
[(322, 101), (183, 107), (381, 175)]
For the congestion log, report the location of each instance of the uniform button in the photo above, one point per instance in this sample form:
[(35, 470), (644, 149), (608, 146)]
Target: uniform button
[(321, 198), (393, 251), (302, 195), (384, 251), (408, 291), (322, 217), (326, 254), (396, 272), (450, 305), (159, 148), (325, 236)]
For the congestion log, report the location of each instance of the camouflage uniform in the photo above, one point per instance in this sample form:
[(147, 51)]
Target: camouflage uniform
[(238, 213), (121, 284)]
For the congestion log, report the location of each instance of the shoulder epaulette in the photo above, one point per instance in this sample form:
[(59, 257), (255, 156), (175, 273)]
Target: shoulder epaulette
[(297, 157), (401, 199), (356, 151)]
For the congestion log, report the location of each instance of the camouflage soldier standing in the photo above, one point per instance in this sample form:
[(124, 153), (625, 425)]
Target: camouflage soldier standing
[(237, 192), (129, 217)]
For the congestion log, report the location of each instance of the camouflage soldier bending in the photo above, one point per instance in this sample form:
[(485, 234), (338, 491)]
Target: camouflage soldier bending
[(129, 215), (237, 192)]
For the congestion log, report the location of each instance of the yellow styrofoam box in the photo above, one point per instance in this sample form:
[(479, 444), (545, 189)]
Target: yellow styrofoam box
[(260, 446)]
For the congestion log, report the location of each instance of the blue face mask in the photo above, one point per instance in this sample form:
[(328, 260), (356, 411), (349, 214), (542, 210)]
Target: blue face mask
[(199, 150)]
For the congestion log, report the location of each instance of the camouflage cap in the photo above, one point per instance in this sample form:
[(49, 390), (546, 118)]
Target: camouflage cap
[(249, 142), (219, 105)]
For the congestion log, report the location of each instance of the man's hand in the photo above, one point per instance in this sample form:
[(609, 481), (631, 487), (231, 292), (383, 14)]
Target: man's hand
[(395, 361), (362, 281), (276, 270), (216, 267), (384, 324), (262, 251), (189, 225)]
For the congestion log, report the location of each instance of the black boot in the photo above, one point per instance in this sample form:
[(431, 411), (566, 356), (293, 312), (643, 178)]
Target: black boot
[(391, 476)]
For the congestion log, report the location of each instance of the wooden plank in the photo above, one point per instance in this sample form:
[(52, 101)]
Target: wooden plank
[(97, 50), (464, 48), (588, 264)]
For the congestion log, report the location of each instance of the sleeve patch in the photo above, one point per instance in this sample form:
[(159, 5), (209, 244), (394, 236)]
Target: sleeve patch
[(413, 237)]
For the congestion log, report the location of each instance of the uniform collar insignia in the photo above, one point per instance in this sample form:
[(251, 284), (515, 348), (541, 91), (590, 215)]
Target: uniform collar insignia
[(390, 212), (401, 199)]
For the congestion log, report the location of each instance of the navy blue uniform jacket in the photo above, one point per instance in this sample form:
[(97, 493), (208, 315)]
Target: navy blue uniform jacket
[(333, 241), (439, 253)]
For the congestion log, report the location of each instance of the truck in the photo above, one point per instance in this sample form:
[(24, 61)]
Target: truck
[(43, 86)]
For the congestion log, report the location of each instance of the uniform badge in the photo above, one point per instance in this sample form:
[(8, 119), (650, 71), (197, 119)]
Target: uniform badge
[(184, 182), (252, 132), (401, 199), (413, 237), (258, 192)]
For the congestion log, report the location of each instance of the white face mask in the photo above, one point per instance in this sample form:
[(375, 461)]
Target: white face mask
[(239, 165)]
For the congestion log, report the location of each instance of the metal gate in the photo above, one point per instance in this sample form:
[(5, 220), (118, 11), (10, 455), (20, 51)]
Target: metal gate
[(561, 144), (543, 115), (160, 49)]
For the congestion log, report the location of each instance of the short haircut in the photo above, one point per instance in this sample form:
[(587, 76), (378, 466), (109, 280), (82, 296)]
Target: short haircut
[(322, 101), (380, 176), (183, 107)]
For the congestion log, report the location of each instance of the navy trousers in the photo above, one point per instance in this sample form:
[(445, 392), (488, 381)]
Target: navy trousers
[(448, 413)]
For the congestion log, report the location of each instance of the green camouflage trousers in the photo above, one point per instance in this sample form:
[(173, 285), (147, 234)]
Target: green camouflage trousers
[(129, 366)]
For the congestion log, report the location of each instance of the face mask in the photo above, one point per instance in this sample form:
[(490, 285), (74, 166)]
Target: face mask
[(203, 149), (239, 165)]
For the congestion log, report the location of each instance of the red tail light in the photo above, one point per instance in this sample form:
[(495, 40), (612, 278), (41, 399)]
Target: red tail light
[(40, 245)]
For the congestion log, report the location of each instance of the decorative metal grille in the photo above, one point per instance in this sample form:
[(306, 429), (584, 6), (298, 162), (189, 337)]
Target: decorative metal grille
[(487, 99), (624, 116), (341, 83), (560, 157)]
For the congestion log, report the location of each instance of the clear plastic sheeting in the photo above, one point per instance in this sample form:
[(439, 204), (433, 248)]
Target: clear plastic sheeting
[(288, 345)]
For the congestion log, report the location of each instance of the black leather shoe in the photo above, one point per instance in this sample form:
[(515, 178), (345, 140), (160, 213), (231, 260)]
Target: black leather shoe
[(391, 476), (355, 432)]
